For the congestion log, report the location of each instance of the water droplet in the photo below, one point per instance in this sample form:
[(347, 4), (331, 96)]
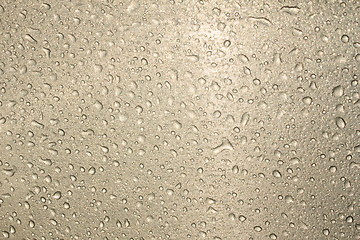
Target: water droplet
[(227, 43), (276, 174), (340, 122), (338, 91), (345, 38), (57, 195), (225, 145)]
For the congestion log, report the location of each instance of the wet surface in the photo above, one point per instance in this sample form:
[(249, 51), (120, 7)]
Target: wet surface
[(179, 120)]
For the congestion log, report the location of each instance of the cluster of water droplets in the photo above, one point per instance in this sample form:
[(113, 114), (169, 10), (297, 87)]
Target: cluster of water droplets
[(179, 120)]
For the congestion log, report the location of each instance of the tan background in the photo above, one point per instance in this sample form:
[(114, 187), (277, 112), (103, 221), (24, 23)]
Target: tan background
[(179, 120)]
